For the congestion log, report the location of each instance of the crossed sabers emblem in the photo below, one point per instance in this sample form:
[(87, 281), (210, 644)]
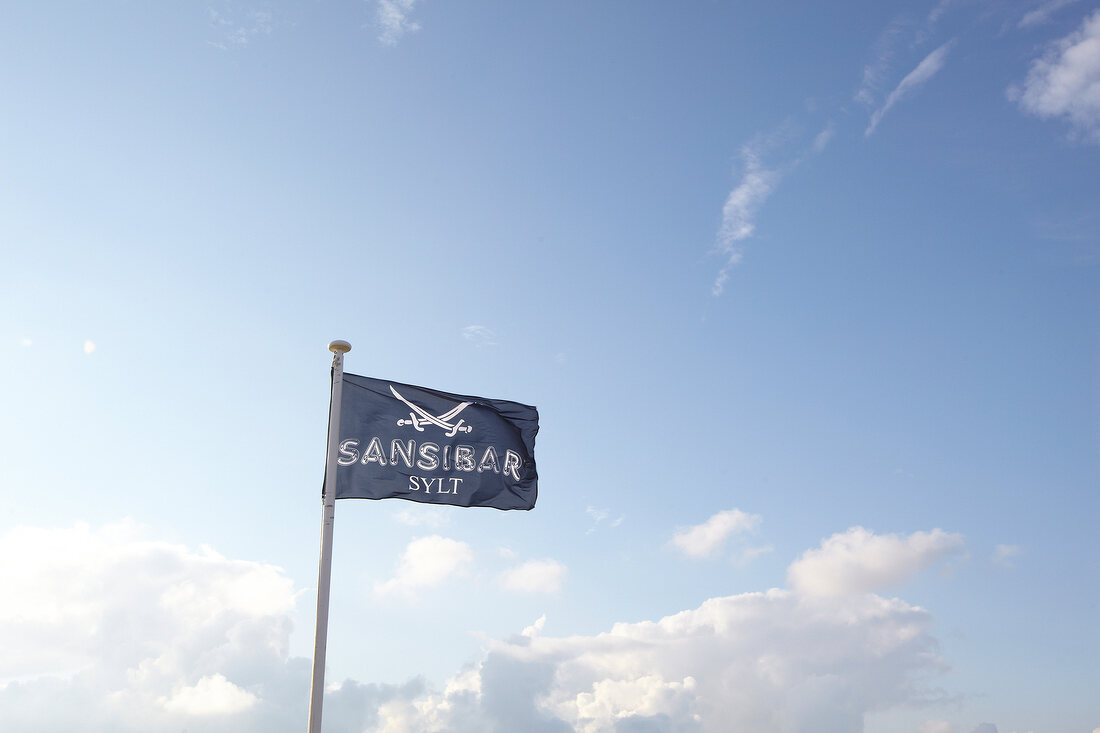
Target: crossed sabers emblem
[(426, 418)]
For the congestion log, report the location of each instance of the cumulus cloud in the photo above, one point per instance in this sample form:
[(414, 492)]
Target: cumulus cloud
[(142, 635), (1065, 81), (773, 662), (925, 70), (535, 576), (108, 630), (394, 21), (67, 592), (213, 695), (427, 562), (536, 628), (705, 539), (935, 726), (859, 561)]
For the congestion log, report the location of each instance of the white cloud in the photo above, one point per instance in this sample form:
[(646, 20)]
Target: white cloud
[(739, 211), (882, 54), (821, 140), (1065, 81), (427, 562), (941, 7), (704, 539), (788, 148), (535, 576), (158, 633), (393, 20), (479, 335), (239, 29), (859, 561), (89, 347), (536, 628), (427, 515), (1004, 554), (109, 630), (1042, 13), (935, 726), (213, 695), (599, 515), (924, 71), (773, 662), (748, 554), (67, 595)]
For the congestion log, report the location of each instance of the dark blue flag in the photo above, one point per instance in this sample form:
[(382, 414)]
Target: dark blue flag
[(404, 442)]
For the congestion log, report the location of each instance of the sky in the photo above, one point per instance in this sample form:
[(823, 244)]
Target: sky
[(807, 295)]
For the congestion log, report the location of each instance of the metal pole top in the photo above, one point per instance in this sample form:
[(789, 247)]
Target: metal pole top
[(339, 347)]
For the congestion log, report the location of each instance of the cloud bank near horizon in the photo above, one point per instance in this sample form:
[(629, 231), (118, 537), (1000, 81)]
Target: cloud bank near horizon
[(133, 634)]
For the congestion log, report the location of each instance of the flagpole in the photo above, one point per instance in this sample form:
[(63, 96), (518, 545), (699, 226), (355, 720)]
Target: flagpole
[(328, 515)]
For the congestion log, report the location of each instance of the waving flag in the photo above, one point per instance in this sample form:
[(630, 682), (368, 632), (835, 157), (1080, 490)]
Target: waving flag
[(405, 442)]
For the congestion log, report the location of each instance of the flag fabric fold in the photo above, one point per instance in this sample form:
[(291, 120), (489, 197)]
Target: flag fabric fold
[(401, 441)]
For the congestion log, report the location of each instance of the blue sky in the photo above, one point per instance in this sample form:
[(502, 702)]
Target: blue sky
[(806, 296)]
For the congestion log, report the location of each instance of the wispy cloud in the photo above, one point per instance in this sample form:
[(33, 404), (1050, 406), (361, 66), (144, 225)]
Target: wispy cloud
[(1004, 555), (394, 21), (821, 140), (705, 539), (535, 576), (599, 515), (431, 516), (788, 148), (1065, 81), (237, 29), (739, 212), (479, 335), (925, 70), (747, 555), (938, 11), (882, 54), (1042, 14)]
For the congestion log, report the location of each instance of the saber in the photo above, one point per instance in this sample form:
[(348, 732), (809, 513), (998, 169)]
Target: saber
[(440, 421)]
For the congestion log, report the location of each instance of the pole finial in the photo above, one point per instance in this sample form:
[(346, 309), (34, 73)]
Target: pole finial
[(339, 347)]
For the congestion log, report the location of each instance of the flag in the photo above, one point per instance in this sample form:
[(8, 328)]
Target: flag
[(398, 441)]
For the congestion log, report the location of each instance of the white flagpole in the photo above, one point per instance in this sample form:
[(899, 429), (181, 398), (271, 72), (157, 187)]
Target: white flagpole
[(324, 572)]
